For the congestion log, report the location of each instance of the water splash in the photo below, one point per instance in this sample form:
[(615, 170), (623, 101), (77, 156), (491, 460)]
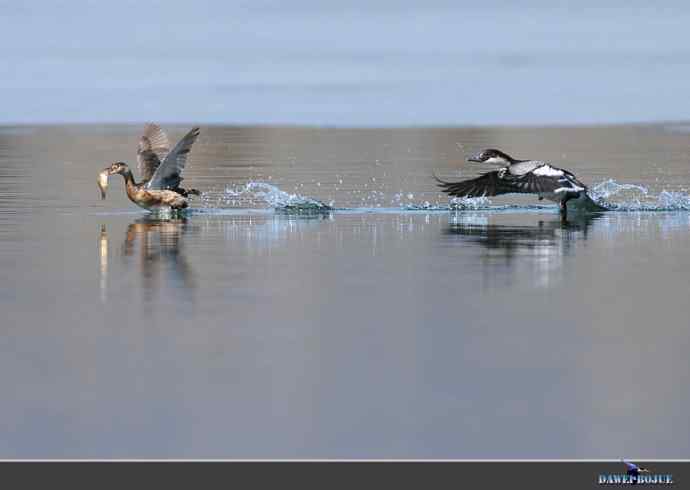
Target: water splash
[(473, 203), (275, 198), (631, 197), (405, 201), (609, 194)]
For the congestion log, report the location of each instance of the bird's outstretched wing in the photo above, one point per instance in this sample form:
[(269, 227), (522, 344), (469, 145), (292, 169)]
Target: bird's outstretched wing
[(169, 173), (153, 148), (502, 182), (488, 184)]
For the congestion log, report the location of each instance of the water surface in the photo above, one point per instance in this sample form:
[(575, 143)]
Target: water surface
[(389, 327)]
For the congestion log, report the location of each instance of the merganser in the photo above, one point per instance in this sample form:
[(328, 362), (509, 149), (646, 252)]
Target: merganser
[(160, 168), (521, 176)]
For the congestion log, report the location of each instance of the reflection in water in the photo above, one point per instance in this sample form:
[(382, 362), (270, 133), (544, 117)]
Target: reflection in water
[(161, 256), (294, 317), (103, 249), (541, 246), (162, 263), (511, 239), (262, 231)]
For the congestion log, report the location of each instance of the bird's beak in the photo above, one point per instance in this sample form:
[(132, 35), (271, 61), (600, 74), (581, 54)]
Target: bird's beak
[(103, 182), (474, 158)]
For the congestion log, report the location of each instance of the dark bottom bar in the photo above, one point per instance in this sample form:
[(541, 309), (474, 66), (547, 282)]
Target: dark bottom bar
[(326, 475)]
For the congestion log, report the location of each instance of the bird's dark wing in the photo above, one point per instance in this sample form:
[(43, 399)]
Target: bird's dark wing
[(502, 182), (489, 184), (168, 175), (153, 148)]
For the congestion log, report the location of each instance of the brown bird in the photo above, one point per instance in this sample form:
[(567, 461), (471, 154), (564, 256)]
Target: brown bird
[(160, 168)]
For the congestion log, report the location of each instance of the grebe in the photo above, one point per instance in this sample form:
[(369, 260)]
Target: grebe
[(160, 168)]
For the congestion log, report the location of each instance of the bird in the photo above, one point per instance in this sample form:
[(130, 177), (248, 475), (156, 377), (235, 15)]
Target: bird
[(160, 169), (521, 176)]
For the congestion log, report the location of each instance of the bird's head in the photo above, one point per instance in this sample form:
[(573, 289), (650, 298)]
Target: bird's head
[(117, 168), (492, 156)]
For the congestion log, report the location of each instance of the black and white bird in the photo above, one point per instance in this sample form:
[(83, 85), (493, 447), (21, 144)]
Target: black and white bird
[(523, 177)]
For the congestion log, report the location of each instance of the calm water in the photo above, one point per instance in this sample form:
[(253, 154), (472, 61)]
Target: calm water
[(381, 329)]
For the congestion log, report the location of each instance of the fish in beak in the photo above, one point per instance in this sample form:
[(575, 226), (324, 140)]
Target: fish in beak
[(103, 182)]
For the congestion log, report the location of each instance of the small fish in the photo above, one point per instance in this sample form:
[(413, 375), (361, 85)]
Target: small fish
[(103, 182)]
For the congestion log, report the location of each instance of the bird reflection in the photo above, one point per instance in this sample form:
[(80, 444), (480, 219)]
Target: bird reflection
[(158, 244), (535, 249), (511, 238), (103, 255)]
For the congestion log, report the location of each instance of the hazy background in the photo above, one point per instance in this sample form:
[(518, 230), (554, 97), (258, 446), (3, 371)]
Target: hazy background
[(359, 63)]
